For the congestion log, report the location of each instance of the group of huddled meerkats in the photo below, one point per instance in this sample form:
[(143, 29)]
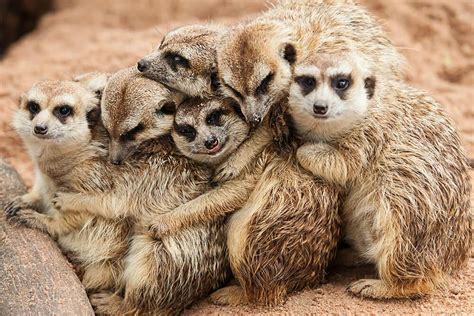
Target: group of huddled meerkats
[(297, 124)]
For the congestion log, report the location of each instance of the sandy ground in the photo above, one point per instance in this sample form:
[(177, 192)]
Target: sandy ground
[(436, 37)]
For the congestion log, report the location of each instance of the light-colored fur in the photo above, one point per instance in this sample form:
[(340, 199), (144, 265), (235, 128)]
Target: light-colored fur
[(400, 161), (161, 276), (95, 245), (197, 45)]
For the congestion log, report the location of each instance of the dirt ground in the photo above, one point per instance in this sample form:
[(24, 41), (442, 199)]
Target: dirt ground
[(435, 36)]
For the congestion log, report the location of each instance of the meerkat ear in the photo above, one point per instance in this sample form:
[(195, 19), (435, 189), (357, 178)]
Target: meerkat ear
[(215, 83), (289, 53), (93, 81), (369, 84), (168, 108), (93, 116)]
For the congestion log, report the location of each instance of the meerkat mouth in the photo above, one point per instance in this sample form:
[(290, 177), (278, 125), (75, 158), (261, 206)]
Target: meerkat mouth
[(216, 149)]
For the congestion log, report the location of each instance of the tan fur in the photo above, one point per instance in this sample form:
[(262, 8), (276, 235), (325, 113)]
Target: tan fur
[(269, 45), (161, 276), (400, 160), (282, 238), (197, 76), (95, 245)]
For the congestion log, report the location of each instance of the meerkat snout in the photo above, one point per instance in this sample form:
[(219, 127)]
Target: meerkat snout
[(143, 65), (41, 129), (320, 109)]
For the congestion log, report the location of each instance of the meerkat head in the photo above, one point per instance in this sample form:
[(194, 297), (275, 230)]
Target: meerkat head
[(56, 113), (209, 130), (186, 60), (331, 90), (255, 66), (135, 109)]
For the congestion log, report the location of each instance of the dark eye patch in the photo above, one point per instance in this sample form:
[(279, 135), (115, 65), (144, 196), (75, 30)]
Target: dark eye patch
[(62, 112), (214, 118), (132, 134), (186, 130), (263, 87), (340, 84), (33, 107), (307, 83), (174, 60)]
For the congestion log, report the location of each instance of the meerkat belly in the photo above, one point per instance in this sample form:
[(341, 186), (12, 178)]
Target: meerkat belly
[(366, 222)]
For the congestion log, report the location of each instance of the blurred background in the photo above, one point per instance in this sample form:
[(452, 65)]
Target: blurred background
[(56, 39)]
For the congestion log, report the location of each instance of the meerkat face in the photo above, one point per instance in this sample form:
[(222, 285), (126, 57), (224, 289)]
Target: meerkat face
[(255, 66), (56, 112), (134, 110), (330, 89), (209, 130), (185, 60)]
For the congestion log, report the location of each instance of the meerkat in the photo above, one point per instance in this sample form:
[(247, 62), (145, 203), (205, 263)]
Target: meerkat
[(256, 58), (272, 196), (147, 178), (400, 161), (186, 60), (58, 122)]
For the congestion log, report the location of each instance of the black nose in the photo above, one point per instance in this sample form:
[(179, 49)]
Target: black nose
[(320, 109), (255, 120), (211, 142), (41, 130), (143, 65), (116, 161)]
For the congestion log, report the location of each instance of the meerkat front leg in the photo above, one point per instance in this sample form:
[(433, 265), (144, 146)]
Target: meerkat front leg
[(324, 161), (99, 204), (205, 208), (53, 223), (244, 155)]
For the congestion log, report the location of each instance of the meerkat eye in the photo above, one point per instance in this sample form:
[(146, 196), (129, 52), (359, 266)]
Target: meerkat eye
[(187, 131), (63, 111), (132, 134), (33, 107), (341, 83), (263, 87), (214, 119), (175, 60), (308, 83), (98, 94)]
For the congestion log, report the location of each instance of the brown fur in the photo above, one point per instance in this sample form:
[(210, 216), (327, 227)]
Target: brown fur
[(408, 190), (165, 275), (94, 244), (249, 52), (282, 238), (197, 44)]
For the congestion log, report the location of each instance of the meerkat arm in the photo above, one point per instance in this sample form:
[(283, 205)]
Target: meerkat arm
[(222, 200), (243, 156), (324, 161), (108, 205), (54, 223)]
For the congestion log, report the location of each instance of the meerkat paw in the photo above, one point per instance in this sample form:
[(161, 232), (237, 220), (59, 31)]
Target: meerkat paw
[(225, 173), (14, 206), (26, 217), (164, 226), (230, 295), (62, 201), (105, 303), (370, 288)]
